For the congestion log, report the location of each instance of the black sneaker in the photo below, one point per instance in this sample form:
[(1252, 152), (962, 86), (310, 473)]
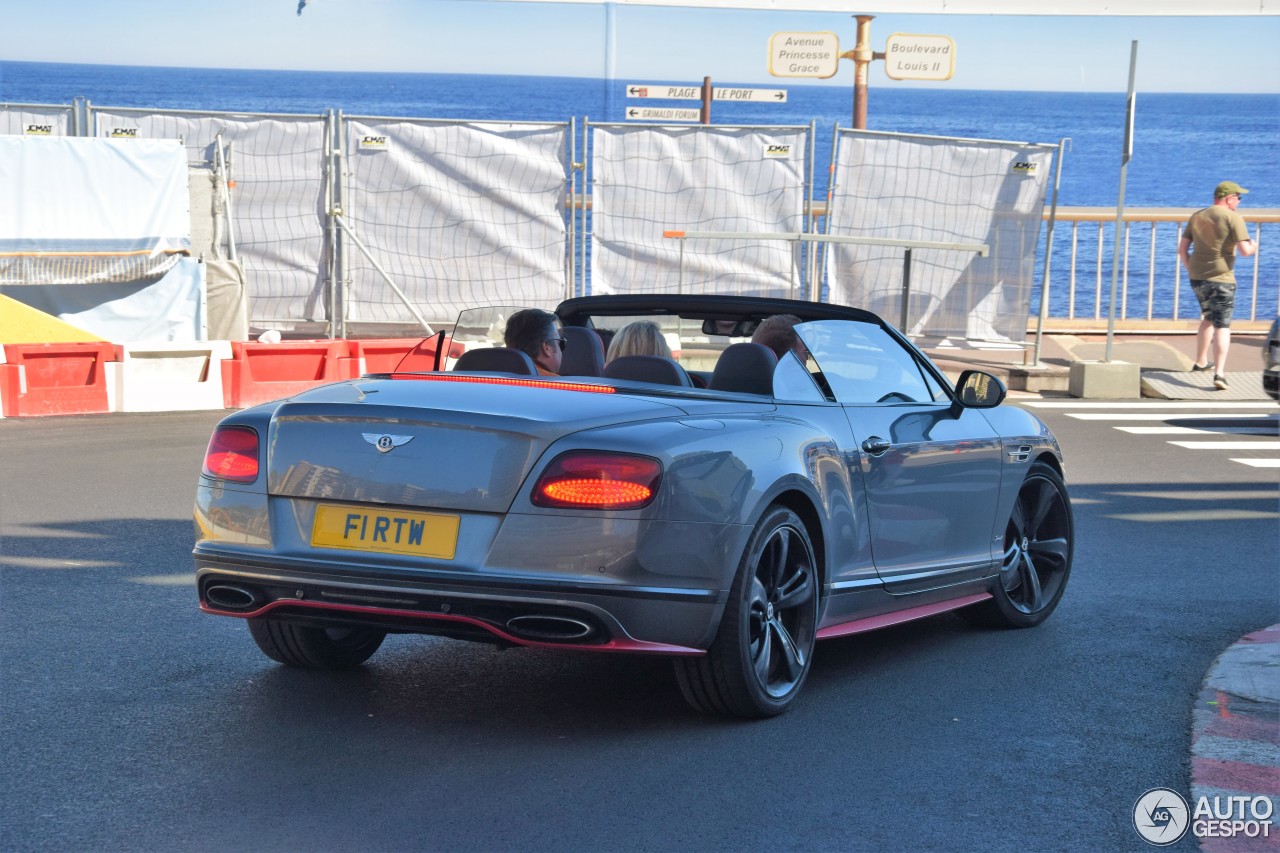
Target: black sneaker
[(1195, 368), (1220, 382)]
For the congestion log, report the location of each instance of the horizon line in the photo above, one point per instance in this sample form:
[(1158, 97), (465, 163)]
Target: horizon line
[(777, 82)]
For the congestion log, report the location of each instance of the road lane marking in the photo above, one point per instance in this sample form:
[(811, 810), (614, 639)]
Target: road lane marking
[(1196, 515), (1177, 430), (1161, 416), (1259, 463), (1228, 445), (1184, 404), (1214, 495)]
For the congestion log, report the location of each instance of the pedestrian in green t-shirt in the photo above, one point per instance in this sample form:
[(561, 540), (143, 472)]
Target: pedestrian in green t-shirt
[(1208, 248)]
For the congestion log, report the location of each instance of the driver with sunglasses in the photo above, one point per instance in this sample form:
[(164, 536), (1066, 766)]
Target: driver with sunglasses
[(537, 333)]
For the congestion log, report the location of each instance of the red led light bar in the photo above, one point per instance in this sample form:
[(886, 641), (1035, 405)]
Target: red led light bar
[(497, 380)]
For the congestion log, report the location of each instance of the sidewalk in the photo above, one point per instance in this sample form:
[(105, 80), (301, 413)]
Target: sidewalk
[(1165, 361), (1235, 741)]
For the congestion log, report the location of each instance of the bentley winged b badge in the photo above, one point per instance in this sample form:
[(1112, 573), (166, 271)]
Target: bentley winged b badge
[(384, 442)]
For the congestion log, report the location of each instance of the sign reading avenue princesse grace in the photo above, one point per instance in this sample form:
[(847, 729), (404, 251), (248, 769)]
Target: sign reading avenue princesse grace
[(804, 54)]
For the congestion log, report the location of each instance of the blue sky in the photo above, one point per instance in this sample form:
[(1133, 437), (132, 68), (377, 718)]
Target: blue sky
[(1175, 54)]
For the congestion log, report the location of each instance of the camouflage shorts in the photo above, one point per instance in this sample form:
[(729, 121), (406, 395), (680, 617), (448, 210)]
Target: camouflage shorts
[(1217, 301)]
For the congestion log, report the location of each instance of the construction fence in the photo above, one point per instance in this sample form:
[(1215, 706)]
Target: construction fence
[(344, 225)]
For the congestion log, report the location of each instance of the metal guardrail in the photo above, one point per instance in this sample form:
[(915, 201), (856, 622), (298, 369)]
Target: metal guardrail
[(1150, 278)]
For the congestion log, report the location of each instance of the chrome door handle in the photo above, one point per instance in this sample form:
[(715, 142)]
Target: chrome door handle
[(875, 445)]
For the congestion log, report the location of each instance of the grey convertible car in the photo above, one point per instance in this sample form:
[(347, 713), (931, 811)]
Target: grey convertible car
[(726, 507)]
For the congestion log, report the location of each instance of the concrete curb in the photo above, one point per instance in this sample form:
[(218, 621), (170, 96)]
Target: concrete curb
[(1235, 741)]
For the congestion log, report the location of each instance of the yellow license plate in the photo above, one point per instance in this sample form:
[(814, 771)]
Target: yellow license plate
[(386, 531)]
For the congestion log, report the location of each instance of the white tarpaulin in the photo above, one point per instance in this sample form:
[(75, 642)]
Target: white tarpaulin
[(69, 195), (170, 309)]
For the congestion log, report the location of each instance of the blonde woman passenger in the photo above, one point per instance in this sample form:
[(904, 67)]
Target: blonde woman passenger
[(643, 337)]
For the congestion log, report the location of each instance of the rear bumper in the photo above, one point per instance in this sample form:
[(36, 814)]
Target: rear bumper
[(532, 612)]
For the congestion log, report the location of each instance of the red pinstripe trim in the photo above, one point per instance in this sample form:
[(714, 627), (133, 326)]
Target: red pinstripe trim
[(871, 623)]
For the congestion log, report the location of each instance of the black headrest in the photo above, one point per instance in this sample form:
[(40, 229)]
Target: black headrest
[(746, 368), (497, 360), (647, 368), (583, 352)]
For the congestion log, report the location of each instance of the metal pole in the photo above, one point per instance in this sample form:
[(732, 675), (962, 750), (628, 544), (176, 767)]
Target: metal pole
[(809, 288), (1124, 169), (1048, 253), (582, 242), (862, 56), (571, 274), (831, 186), (705, 118), (906, 288)]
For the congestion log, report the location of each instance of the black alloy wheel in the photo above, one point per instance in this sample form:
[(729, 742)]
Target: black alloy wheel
[(1037, 554), (763, 650)]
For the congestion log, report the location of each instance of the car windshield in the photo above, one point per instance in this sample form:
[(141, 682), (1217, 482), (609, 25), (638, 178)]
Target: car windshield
[(862, 363)]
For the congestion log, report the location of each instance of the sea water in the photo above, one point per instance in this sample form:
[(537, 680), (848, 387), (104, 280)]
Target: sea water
[(1183, 144)]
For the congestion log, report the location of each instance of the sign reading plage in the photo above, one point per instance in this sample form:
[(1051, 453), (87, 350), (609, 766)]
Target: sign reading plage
[(370, 142), (777, 151)]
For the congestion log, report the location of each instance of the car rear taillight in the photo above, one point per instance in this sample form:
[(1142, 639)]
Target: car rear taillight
[(232, 455), (595, 480)]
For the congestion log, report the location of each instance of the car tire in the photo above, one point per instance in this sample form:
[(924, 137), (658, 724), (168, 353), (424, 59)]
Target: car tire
[(1038, 544), (764, 646), (315, 648)]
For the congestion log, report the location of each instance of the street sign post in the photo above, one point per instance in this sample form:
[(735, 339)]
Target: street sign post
[(804, 54), (917, 57)]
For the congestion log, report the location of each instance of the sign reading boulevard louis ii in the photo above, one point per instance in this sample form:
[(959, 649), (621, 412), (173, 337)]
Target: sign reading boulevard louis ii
[(916, 57), (804, 54)]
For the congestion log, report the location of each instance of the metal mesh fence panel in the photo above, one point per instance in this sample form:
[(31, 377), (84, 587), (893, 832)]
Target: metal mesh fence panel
[(906, 187), (278, 169), (648, 179), (458, 215), (35, 120)]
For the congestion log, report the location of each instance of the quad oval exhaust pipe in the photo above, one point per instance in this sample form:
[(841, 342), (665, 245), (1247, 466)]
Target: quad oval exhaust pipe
[(550, 629)]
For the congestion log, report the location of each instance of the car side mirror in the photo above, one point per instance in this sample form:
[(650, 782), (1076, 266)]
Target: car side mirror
[(978, 390)]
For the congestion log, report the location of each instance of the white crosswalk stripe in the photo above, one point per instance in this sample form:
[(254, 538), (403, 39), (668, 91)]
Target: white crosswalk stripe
[(1248, 426)]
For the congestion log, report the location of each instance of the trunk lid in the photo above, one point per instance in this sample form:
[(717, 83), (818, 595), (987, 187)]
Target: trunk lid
[(444, 445)]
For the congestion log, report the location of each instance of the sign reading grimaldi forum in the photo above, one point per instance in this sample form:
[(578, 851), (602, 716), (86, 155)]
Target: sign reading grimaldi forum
[(917, 57), (804, 54)]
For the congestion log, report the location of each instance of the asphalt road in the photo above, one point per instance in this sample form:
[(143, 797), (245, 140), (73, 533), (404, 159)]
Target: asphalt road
[(133, 722)]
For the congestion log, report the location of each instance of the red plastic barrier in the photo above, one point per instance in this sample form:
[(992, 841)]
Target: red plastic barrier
[(55, 379), (389, 354), (258, 372)]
